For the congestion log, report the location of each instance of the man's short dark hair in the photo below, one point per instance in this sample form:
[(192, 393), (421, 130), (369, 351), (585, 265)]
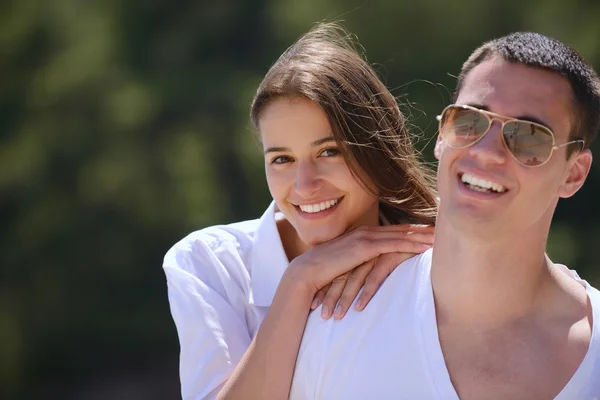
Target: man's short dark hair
[(539, 51)]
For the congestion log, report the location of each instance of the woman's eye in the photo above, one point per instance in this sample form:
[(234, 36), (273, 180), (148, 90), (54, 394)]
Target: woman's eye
[(330, 152), (280, 160)]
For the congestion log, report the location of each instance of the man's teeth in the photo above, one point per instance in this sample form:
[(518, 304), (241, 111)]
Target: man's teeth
[(314, 208), (481, 185)]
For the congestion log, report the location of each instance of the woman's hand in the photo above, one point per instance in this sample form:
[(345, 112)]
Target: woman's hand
[(337, 269), (337, 296)]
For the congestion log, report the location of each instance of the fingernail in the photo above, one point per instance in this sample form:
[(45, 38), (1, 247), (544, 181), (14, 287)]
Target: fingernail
[(314, 304), (359, 304), (338, 311), (325, 312)]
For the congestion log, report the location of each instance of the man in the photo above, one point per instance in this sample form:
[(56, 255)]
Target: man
[(485, 315)]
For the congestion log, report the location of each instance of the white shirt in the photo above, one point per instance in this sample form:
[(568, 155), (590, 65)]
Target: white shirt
[(221, 282), (391, 350)]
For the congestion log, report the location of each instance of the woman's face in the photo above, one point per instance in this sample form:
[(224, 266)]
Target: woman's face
[(307, 174)]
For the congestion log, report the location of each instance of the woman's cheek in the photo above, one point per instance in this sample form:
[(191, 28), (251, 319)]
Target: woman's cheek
[(278, 182)]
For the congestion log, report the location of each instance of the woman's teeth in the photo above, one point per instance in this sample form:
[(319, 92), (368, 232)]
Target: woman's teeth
[(315, 208)]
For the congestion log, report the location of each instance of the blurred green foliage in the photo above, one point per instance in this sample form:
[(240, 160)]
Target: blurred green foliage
[(125, 126)]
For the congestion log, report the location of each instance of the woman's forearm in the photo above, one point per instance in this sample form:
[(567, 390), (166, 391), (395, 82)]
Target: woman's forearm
[(267, 368)]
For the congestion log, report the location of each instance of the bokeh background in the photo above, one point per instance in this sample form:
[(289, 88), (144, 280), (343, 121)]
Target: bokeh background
[(124, 126)]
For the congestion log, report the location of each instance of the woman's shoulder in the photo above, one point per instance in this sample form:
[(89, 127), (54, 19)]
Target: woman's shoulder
[(225, 247), (215, 238)]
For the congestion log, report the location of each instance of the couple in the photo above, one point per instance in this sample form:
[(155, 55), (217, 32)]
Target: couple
[(484, 314)]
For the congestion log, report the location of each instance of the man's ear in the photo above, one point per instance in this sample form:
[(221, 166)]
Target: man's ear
[(437, 151), (578, 169)]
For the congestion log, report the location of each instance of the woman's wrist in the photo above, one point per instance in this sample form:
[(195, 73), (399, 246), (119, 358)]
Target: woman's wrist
[(296, 281)]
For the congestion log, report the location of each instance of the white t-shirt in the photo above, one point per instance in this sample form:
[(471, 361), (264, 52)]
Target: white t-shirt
[(391, 350), (221, 282)]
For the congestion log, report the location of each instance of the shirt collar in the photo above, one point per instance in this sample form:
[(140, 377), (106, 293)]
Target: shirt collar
[(268, 262)]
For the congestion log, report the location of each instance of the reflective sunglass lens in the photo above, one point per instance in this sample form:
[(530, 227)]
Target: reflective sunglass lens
[(529, 143), (462, 126)]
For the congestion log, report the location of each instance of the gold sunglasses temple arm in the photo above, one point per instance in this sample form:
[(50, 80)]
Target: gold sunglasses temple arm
[(580, 141)]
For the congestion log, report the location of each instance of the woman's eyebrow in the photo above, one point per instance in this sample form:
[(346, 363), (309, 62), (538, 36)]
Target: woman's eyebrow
[(314, 144)]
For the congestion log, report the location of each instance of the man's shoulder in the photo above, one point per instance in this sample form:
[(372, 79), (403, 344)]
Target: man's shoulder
[(382, 343), (594, 295), (399, 292), (591, 368)]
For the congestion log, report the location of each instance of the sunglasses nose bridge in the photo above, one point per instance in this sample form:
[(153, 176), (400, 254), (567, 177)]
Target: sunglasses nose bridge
[(499, 124), (491, 145)]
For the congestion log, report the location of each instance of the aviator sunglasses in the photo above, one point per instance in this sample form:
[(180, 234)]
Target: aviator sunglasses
[(530, 143)]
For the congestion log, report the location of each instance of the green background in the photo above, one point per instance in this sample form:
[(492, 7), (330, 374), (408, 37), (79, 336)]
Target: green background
[(124, 126)]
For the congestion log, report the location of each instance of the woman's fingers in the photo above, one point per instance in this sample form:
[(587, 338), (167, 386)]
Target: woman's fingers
[(415, 233), (369, 276), (353, 253), (383, 267), (333, 294), (327, 261), (401, 228), (420, 237), (356, 280), (318, 300)]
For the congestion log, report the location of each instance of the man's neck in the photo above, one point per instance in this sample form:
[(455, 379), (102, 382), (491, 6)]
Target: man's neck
[(485, 283), (502, 306)]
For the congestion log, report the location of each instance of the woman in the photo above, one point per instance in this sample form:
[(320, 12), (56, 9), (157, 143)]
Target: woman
[(346, 185)]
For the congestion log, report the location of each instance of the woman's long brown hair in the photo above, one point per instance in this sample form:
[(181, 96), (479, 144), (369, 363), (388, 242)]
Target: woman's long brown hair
[(324, 66)]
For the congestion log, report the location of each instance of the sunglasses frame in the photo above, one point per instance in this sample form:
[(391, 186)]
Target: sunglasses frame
[(504, 120)]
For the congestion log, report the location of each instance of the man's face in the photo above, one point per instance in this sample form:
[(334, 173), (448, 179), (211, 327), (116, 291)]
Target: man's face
[(528, 196)]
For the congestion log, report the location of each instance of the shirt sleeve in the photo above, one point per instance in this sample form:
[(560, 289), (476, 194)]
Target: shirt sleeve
[(212, 331)]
